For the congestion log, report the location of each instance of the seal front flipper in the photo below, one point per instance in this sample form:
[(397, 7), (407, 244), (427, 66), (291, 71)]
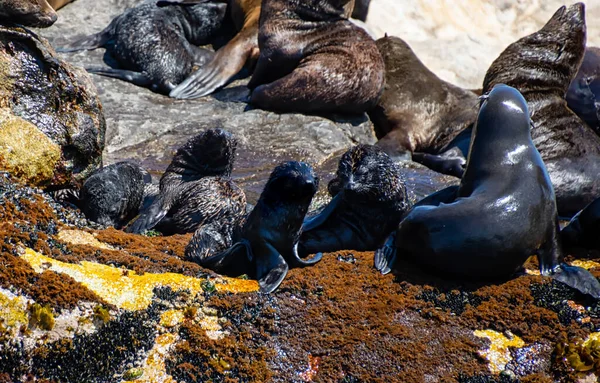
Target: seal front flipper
[(317, 220), (578, 278), (385, 257), (296, 261), (271, 267), (136, 78), (451, 162), (149, 218), (237, 257)]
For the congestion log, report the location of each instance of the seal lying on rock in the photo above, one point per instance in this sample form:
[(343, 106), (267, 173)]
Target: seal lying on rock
[(29, 13), (195, 189), (156, 46), (265, 244), (369, 199), (313, 60), (583, 96), (420, 113), (502, 212)]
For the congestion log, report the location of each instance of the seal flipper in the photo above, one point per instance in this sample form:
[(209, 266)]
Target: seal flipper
[(90, 42), (319, 219), (271, 267), (450, 162), (149, 218), (136, 78), (385, 256), (296, 261), (239, 252), (578, 278)]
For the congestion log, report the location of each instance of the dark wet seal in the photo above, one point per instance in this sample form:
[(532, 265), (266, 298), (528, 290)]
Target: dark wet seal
[(28, 13), (369, 199), (195, 189), (583, 231), (112, 195), (421, 114), (156, 47), (264, 244), (541, 66), (314, 60), (583, 96), (361, 10), (502, 212)]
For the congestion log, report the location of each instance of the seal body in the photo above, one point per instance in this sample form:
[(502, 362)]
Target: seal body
[(29, 13), (156, 46), (195, 189), (583, 96), (313, 60), (264, 244), (418, 112), (541, 66), (369, 199), (112, 195), (502, 212)]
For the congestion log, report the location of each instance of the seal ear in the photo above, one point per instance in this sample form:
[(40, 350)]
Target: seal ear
[(578, 278)]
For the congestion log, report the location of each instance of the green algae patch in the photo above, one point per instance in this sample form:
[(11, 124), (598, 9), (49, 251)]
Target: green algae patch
[(25, 152)]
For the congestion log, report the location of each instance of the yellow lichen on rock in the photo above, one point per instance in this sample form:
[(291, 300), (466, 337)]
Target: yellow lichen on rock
[(126, 290), (154, 369), (25, 152), (13, 310), (79, 237), (171, 318), (498, 354), (585, 264)]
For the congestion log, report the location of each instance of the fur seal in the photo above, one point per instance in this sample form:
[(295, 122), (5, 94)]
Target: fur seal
[(583, 96), (502, 212), (112, 195), (29, 13), (313, 60), (195, 189), (541, 66), (162, 51), (265, 243), (361, 10), (56, 4), (419, 113), (369, 199)]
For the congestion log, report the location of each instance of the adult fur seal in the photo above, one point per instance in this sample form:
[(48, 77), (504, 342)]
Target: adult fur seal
[(156, 46), (502, 212), (369, 199), (313, 60), (265, 244), (583, 96), (419, 113), (29, 13), (195, 189), (112, 196), (541, 66)]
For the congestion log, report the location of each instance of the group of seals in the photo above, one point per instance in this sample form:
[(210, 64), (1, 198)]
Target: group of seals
[(156, 46), (29, 13)]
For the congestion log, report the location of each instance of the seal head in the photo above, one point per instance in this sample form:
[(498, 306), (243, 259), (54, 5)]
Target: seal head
[(29, 13)]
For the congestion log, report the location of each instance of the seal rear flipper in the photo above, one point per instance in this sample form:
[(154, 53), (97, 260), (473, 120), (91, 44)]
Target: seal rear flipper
[(578, 278), (149, 218), (136, 78), (319, 219), (90, 42), (385, 256)]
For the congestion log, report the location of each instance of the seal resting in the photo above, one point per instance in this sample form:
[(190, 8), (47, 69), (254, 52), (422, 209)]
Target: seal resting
[(502, 212), (541, 66), (265, 243), (583, 96), (195, 189), (156, 46), (369, 199), (29, 13), (313, 60), (419, 113)]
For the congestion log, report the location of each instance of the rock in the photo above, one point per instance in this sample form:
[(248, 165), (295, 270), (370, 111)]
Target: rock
[(51, 122)]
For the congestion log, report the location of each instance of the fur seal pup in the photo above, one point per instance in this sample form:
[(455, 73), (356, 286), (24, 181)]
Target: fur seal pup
[(502, 212), (29, 13), (112, 195), (419, 113), (369, 199), (265, 244), (313, 60), (162, 51), (56, 4), (583, 96), (541, 66), (195, 188)]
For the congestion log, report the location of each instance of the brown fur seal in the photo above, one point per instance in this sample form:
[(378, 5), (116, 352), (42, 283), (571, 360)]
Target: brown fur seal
[(583, 96), (29, 13), (313, 60), (419, 112), (541, 66), (56, 4)]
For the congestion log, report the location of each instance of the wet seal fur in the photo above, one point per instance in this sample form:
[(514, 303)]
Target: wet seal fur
[(28, 13), (112, 195), (313, 60), (419, 113), (369, 199), (195, 189), (583, 96), (502, 212), (156, 46), (541, 66), (265, 244)]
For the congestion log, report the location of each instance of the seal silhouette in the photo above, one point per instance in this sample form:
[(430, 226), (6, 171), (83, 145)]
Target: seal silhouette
[(583, 96), (29, 13), (502, 212), (265, 243), (313, 60), (156, 46), (369, 199), (419, 113), (195, 189)]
